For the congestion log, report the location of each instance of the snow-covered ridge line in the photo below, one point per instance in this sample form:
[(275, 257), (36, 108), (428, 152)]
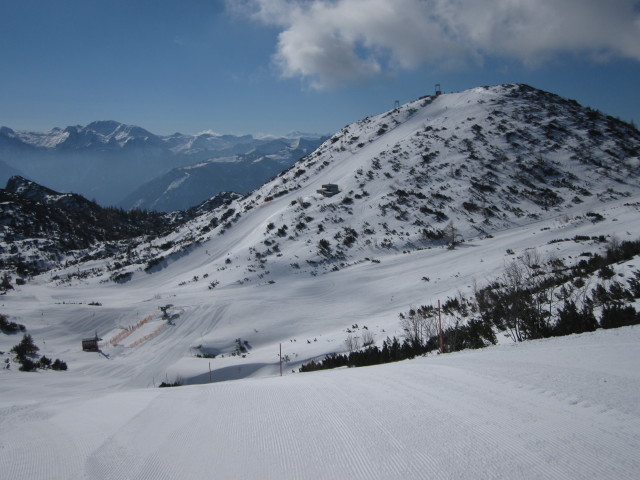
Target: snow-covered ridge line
[(113, 133)]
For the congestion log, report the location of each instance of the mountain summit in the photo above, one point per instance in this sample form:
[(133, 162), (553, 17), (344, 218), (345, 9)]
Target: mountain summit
[(474, 163)]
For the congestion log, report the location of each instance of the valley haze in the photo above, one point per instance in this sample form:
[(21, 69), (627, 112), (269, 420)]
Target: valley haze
[(130, 167)]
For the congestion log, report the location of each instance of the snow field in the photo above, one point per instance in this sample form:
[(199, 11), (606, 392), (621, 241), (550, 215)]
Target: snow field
[(544, 409), (297, 309), (558, 408)]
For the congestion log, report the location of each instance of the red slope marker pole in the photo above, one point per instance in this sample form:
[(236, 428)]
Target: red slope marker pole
[(280, 359), (440, 325)]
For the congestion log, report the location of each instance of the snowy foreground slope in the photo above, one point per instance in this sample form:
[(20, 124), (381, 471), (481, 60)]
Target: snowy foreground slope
[(555, 409)]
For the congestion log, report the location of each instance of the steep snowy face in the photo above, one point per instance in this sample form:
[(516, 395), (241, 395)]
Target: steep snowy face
[(436, 170), (32, 139)]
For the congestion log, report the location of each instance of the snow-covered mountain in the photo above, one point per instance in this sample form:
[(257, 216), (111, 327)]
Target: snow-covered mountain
[(110, 160), (452, 167), (41, 228), (479, 161), (430, 201)]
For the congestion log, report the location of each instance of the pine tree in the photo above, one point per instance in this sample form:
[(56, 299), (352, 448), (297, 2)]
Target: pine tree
[(44, 362), (6, 282), (58, 365), (25, 347), (570, 320)]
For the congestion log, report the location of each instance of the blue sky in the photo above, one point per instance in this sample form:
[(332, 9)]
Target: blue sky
[(274, 66)]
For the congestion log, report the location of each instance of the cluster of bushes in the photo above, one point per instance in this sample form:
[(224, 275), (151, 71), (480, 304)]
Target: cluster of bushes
[(5, 283), (475, 334), (421, 336), (122, 277), (242, 346), (532, 299), (616, 252), (205, 355), (177, 383), (153, 263), (391, 351), (27, 350), (10, 327)]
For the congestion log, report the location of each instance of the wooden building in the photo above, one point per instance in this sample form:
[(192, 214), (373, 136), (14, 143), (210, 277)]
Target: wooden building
[(91, 344)]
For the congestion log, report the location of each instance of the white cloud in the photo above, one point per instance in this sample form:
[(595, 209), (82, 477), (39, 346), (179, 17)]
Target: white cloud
[(334, 42)]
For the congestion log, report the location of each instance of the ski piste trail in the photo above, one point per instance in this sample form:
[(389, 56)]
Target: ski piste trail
[(556, 408)]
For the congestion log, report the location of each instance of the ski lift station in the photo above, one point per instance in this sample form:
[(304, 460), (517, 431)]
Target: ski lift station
[(329, 190)]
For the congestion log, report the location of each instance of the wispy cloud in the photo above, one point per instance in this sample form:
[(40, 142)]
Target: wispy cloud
[(334, 42)]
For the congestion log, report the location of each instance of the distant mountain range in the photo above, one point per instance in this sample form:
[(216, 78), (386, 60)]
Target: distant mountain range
[(128, 166)]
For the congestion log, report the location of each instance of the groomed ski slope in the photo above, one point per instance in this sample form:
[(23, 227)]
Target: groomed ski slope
[(563, 408)]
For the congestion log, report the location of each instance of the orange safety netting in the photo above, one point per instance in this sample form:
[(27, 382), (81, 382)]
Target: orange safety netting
[(128, 331), (147, 337)]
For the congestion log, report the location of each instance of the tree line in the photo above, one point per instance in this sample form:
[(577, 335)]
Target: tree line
[(533, 298)]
